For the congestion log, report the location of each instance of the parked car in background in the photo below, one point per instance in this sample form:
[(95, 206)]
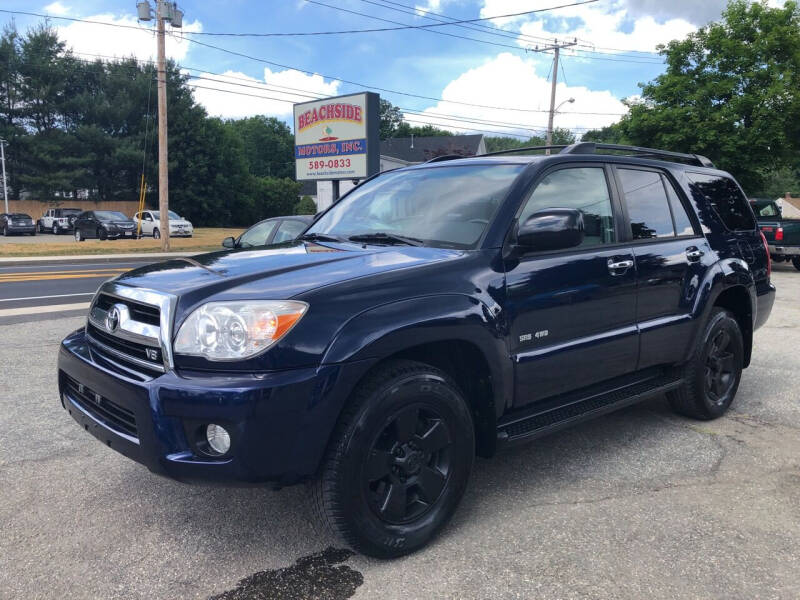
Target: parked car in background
[(104, 225), (151, 225), (270, 231), (11, 223), (58, 220), (782, 235), (435, 312)]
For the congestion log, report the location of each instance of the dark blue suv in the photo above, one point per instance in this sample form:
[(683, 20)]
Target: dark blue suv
[(434, 313)]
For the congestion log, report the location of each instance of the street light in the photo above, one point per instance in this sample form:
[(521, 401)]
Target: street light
[(553, 112)]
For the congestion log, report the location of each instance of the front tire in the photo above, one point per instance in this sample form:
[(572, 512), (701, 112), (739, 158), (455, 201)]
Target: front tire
[(796, 262), (156, 234), (102, 234), (712, 375), (56, 229), (78, 235), (399, 461)]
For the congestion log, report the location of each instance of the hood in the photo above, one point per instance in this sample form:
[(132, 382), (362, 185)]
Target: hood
[(277, 272), (120, 223)]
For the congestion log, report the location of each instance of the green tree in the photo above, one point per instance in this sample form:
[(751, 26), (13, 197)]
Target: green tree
[(268, 145), (305, 206), (731, 91), (391, 119), (499, 143)]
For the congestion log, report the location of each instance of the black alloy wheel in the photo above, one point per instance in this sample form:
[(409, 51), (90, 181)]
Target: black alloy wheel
[(398, 462), (711, 377), (720, 371), (409, 465)]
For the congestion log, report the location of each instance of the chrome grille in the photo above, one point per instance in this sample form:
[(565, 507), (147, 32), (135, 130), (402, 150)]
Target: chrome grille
[(130, 327)]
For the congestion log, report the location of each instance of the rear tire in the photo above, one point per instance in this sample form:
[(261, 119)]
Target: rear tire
[(796, 262), (712, 375), (399, 461), (5, 230), (40, 227)]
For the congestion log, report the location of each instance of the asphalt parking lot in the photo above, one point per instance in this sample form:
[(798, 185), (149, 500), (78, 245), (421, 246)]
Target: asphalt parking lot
[(638, 504), (35, 239)]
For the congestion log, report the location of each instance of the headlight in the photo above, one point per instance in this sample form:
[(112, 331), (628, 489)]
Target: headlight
[(235, 330)]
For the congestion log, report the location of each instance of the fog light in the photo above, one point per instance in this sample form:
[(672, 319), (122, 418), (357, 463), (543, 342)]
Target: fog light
[(219, 440)]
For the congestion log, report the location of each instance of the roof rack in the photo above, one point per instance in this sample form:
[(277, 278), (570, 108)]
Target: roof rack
[(592, 148), (525, 149), (445, 157)]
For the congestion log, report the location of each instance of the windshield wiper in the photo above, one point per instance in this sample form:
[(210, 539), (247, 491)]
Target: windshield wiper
[(319, 237), (386, 238)]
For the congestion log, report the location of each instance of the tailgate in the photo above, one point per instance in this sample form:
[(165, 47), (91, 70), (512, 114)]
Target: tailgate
[(769, 229)]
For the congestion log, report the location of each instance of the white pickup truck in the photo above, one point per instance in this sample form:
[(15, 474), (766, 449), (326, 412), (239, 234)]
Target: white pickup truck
[(178, 226), (58, 220)]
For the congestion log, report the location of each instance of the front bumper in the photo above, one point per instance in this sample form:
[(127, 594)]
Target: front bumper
[(181, 232), (784, 250), (279, 422)]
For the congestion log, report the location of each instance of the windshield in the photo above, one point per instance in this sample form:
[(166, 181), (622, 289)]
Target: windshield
[(19, 216), (447, 207), (110, 215), (172, 215), (70, 211)]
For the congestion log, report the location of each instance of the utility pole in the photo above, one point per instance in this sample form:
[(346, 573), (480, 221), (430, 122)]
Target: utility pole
[(163, 170), (556, 48), (3, 159), (165, 11)]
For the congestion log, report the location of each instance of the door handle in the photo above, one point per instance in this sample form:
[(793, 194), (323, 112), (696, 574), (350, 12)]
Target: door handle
[(694, 254), (619, 265)]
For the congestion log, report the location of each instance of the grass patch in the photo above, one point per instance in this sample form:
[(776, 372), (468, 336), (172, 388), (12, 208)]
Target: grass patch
[(204, 239)]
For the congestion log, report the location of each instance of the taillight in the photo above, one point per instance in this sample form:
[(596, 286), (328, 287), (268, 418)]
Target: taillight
[(766, 249), (779, 234)]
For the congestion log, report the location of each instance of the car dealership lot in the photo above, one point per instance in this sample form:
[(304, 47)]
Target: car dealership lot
[(640, 503)]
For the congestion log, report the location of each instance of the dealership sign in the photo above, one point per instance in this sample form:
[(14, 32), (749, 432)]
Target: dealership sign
[(337, 138)]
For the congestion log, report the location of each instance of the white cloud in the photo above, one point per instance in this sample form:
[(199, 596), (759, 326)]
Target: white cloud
[(90, 38), (57, 8), (510, 80), (603, 25), (281, 88)]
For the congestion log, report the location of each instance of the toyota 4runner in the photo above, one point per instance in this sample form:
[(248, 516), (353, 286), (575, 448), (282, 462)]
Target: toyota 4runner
[(435, 312)]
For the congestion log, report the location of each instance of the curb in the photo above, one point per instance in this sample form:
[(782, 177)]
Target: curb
[(13, 261)]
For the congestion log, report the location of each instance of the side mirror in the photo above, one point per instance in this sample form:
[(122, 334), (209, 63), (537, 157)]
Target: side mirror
[(551, 229), (229, 242)]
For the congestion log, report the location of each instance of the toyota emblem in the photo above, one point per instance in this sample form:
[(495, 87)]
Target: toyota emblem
[(112, 319)]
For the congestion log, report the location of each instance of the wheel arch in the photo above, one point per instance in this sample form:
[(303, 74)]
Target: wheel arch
[(737, 299), (453, 333)]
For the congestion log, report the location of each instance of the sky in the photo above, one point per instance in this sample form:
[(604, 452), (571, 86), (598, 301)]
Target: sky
[(490, 76)]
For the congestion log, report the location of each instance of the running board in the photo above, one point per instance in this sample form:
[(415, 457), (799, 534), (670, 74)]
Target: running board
[(532, 426)]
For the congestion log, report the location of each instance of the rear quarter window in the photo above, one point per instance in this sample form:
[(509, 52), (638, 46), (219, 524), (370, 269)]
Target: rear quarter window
[(725, 197)]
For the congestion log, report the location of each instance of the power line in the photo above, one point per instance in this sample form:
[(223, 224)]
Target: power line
[(461, 119), (401, 26)]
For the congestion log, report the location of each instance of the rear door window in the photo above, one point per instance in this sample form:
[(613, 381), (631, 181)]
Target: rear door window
[(683, 224), (726, 199), (647, 203)]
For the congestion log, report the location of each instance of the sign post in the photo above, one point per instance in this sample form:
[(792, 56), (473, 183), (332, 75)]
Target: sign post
[(337, 138)]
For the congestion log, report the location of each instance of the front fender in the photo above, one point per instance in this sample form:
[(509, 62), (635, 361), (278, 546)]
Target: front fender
[(390, 328)]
